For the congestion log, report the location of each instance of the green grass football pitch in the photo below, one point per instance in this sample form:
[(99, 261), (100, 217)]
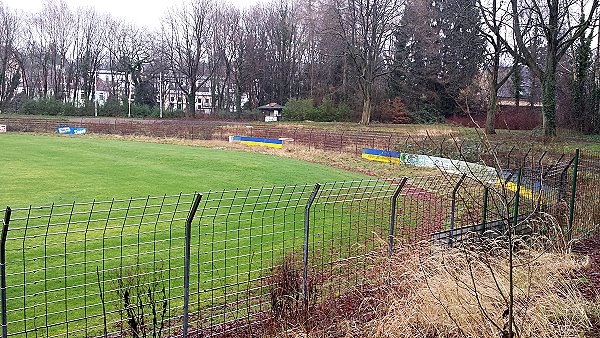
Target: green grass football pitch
[(64, 258), (40, 170)]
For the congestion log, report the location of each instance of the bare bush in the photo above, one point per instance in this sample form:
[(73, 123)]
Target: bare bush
[(440, 292), (143, 301)]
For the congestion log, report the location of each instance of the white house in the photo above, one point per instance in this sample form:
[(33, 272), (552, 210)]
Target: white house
[(176, 99)]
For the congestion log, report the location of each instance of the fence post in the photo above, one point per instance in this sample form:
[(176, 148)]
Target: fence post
[(524, 160), (510, 254), (186, 267), (453, 210), (393, 220), (486, 192), (573, 192), (306, 235), (508, 157), (518, 194), (5, 222)]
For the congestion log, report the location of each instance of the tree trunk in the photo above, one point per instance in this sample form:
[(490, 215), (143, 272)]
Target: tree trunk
[(238, 101), (549, 103), (366, 112), (490, 120), (191, 104)]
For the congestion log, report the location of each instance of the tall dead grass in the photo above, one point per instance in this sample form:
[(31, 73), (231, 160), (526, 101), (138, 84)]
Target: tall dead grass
[(435, 292), (429, 291)]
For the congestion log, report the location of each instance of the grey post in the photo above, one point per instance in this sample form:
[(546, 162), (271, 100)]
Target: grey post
[(573, 193), (186, 271), (486, 192), (453, 210), (7, 214), (393, 220), (306, 240)]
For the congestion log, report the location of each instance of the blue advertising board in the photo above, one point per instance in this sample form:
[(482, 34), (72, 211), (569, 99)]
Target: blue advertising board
[(70, 130)]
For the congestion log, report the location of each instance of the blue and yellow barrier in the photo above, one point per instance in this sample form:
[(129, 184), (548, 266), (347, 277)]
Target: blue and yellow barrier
[(255, 141), (378, 155), (523, 191)]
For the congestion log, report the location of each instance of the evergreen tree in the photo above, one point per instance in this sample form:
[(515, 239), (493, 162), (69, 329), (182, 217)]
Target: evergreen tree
[(517, 83), (581, 85), (438, 52)]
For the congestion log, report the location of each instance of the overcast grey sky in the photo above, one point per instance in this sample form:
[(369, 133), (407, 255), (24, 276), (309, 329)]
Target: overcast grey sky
[(143, 12)]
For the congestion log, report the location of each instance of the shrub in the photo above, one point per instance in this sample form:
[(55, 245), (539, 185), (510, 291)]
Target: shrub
[(396, 111), (49, 106), (299, 110), (142, 300), (327, 111), (426, 116)]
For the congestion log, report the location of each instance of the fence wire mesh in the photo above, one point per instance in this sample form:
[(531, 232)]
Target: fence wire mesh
[(120, 267)]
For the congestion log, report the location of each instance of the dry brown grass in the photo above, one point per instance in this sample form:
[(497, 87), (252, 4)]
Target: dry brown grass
[(448, 293), (428, 291), (402, 129)]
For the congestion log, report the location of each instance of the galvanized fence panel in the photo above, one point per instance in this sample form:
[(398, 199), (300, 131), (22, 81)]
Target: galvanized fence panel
[(212, 263), (349, 225), (238, 238), (167, 266), (585, 181), (89, 269), (424, 207)]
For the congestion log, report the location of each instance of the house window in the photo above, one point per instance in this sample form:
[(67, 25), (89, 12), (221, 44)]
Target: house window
[(172, 98), (101, 95)]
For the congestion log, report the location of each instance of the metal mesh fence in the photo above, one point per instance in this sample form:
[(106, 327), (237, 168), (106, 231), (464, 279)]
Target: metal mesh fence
[(77, 269), (207, 264), (145, 266), (585, 193), (114, 267)]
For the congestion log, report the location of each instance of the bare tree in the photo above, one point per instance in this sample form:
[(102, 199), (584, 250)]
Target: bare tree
[(52, 33), (10, 68), (366, 28), (226, 47), (495, 18), (561, 23), (88, 52), (130, 49), (186, 32)]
